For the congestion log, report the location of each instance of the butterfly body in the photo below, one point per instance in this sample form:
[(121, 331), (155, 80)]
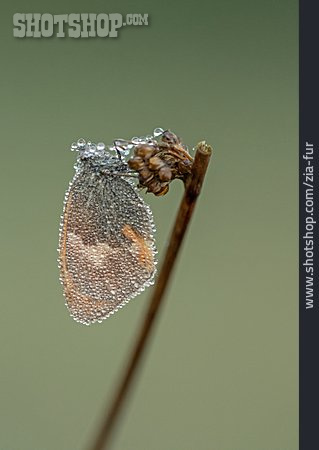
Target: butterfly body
[(107, 249)]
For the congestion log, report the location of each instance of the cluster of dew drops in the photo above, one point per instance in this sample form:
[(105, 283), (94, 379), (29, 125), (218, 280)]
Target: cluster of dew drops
[(120, 147)]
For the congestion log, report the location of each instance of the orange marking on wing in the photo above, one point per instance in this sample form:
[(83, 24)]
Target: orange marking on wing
[(145, 252)]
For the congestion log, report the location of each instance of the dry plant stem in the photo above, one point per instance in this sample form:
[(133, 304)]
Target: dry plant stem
[(192, 189)]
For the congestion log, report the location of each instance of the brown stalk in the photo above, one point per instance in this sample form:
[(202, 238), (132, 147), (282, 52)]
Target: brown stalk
[(193, 184)]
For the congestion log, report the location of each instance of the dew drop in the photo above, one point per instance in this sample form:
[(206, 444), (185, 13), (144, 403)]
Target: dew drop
[(158, 132), (100, 146), (124, 152), (121, 143), (81, 143)]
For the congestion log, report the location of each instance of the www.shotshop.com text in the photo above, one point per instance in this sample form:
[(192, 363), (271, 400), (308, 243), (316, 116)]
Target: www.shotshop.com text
[(310, 223)]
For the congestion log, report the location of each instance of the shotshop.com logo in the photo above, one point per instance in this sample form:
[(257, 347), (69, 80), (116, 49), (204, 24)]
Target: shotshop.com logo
[(87, 25)]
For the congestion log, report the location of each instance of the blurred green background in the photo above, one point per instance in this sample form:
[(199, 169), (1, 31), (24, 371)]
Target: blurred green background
[(221, 372)]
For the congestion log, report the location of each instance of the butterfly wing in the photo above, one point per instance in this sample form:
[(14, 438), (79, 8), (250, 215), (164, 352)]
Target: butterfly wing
[(107, 249)]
